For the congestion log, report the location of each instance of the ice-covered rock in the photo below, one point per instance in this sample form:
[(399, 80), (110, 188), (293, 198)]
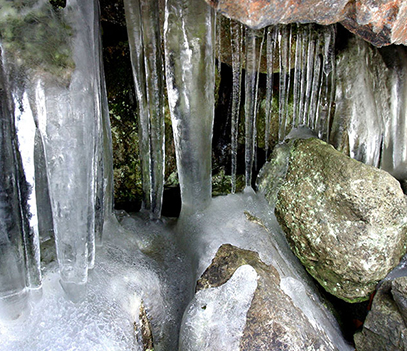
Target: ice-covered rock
[(263, 316), (385, 325), (344, 220)]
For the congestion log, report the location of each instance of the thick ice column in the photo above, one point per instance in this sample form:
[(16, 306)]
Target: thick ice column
[(362, 103), (13, 293), (69, 126), (189, 56), (143, 27)]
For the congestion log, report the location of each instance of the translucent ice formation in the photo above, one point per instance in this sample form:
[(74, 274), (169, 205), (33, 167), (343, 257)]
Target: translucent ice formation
[(190, 67)]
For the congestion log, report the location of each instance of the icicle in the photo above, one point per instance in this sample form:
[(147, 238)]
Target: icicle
[(298, 62), (359, 124), (236, 34), (99, 167), (142, 18), (219, 19), (310, 54), (328, 83), (189, 56), (284, 41), (305, 34), (13, 293), (70, 132), (26, 131), (315, 92), (251, 86)]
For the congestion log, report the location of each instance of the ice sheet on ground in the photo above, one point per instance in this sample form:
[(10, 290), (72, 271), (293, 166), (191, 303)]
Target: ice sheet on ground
[(143, 260), (122, 277)]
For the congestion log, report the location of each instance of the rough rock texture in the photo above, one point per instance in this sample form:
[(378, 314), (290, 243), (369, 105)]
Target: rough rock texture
[(344, 220), (381, 22), (385, 327), (272, 322)]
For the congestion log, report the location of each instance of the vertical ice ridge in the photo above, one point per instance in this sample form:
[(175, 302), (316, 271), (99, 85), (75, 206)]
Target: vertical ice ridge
[(190, 67), (143, 28), (270, 52), (13, 272), (251, 90), (236, 35)]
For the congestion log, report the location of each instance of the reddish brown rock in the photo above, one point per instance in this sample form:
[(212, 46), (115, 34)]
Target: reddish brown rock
[(381, 22)]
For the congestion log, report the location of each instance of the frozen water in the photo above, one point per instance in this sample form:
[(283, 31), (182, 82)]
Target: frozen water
[(190, 69), (129, 270), (370, 115), (142, 18), (216, 317), (246, 221), (236, 42)]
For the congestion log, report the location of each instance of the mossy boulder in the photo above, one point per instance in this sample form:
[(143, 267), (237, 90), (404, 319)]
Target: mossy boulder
[(345, 221)]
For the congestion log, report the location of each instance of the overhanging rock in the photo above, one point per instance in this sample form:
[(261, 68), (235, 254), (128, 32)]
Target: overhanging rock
[(380, 22)]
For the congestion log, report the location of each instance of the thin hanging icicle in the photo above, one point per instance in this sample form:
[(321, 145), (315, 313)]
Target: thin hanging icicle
[(271, 52), (190, 67), (284, 83), (310, 54), (256, 97), (251, 86), (305, 34), (313, 120), (219, 19), (142, 17), (236, 35), (298, 62), (328, 70)]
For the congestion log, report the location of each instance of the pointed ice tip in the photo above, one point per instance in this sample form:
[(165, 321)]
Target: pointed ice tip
[(74, 291)]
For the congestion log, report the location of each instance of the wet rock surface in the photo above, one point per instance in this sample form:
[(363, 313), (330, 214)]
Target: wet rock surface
[(381, 22), (344, 220), (385, 327), (273, 322)]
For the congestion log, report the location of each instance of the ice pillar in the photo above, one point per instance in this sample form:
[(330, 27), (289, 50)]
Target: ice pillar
[(13, 202), (73, 134), (189, 56), (143, 27)]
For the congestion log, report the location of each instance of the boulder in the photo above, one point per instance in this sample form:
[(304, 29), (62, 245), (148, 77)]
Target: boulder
[(385, 325), (239, 305), (344, 220), (381, 22)]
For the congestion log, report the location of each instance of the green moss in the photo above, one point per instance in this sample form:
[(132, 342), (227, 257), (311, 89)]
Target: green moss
[(37, 38)]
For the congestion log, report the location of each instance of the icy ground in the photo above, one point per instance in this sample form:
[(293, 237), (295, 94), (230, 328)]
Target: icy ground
[(142, 263), (141, 260)]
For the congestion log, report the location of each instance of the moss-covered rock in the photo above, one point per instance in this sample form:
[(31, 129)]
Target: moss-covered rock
[(345, 221)]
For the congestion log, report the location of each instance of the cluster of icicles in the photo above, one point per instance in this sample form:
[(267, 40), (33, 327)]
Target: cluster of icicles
[(56, 159)]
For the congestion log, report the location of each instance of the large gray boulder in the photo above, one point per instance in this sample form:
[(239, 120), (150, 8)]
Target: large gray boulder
[(239, 305), (345, 221), (385, 327)]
